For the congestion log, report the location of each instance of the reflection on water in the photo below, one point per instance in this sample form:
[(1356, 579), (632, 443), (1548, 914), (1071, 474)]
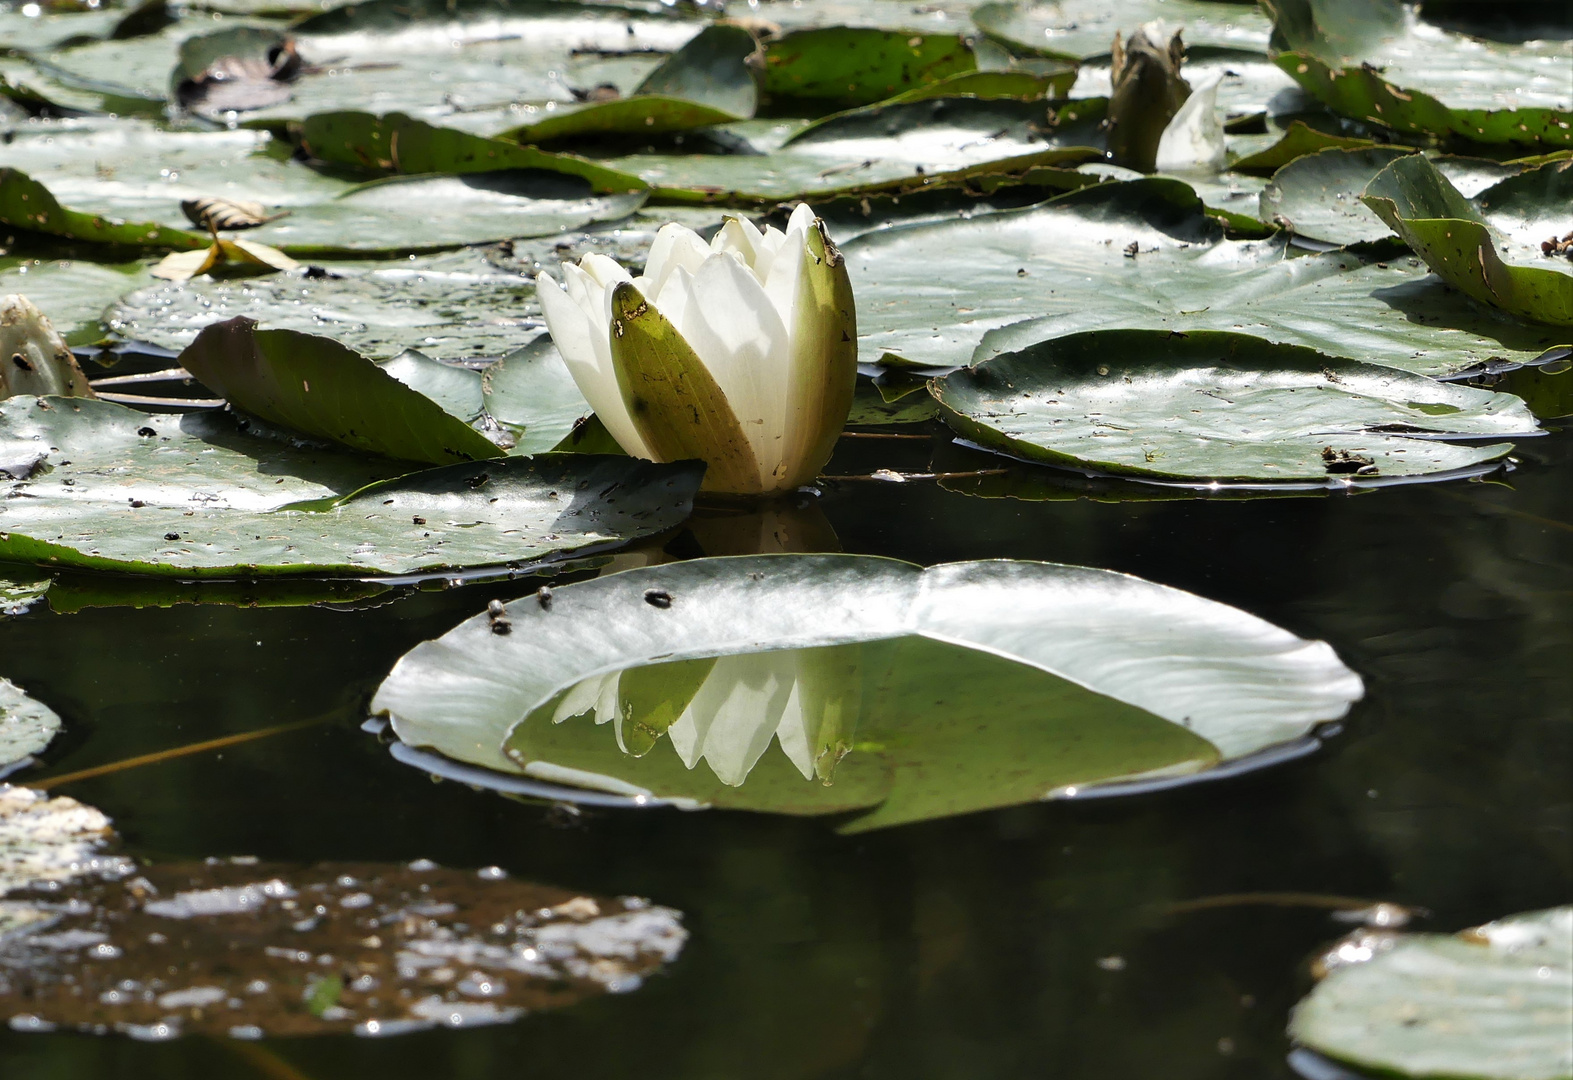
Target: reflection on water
[(903, 729), (991, 946)]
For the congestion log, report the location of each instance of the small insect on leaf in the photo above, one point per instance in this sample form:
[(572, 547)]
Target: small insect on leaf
[(216, 213)]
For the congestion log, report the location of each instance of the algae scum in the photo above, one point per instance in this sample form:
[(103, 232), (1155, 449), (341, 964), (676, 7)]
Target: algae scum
[(1167, 675)]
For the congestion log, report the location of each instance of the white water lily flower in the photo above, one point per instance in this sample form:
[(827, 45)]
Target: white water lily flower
[(741, 352), (1193, 141)]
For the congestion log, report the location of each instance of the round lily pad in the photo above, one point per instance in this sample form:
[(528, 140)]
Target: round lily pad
[(859, 669)]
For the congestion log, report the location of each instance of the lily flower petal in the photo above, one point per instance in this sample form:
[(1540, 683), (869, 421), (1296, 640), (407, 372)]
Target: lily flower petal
[(588, 357), (674, 246), (737, 332)]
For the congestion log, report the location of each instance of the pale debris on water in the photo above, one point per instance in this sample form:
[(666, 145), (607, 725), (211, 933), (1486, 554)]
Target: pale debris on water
[(49, 841)]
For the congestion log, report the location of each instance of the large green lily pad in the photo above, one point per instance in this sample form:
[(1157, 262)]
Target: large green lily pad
[(452, 305), (858, 703), (1377, 61), (842, 67), (354, 402), (110, 488), (1506, 268), (1082, 29), (1067, 265), (1490, 1003), (1220, 406)]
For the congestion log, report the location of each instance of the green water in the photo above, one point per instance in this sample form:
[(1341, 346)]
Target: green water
[(1052, 940)]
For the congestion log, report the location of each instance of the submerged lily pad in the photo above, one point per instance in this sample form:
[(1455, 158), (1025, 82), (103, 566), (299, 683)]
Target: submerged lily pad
[(1144, 254), (269, 373), (863, 718), (372, 948), (1456, 241), (194, 496), (1490, 1003), (1221, 406), (26, 726)]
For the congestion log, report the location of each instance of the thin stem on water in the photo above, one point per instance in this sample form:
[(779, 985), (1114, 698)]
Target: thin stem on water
[(175, 752)]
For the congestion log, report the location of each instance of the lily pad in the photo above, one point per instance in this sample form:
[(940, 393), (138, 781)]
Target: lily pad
[(1069, 265), (195, 496), (395, 143), (372, 950), (1097, 703), (1220, 406), (1297, 140), (429, 213), (1380, 63), (1083, 29), (27, 204), (919, 143), (842, 67), (1456, 241), (1318, 195), (531, 392), (26, 726), (354, 402), (453, 305), (713, 68), (1490, 1003), (644, 115)]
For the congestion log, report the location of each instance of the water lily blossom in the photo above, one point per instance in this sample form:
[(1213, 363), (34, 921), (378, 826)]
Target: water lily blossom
[(741, 352)]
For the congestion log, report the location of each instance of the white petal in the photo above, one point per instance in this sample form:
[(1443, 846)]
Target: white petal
[(1193, 141), (675, 245), (738, 235), (586, 347), (604, 270), (734, 329), (797, 742), (606, 700), (571, 330), (802, 218)]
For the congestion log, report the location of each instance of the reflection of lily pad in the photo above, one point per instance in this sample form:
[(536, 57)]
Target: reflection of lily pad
[(114, 489), (1220, 406), (26, 725), (872, 702), (1492, 1003)]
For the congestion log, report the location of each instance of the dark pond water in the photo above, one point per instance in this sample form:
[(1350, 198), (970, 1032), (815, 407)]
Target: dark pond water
[(1130, 938)]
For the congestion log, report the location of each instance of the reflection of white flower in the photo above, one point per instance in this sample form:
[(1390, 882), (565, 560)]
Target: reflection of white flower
[(741, 352), (806, 700)]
